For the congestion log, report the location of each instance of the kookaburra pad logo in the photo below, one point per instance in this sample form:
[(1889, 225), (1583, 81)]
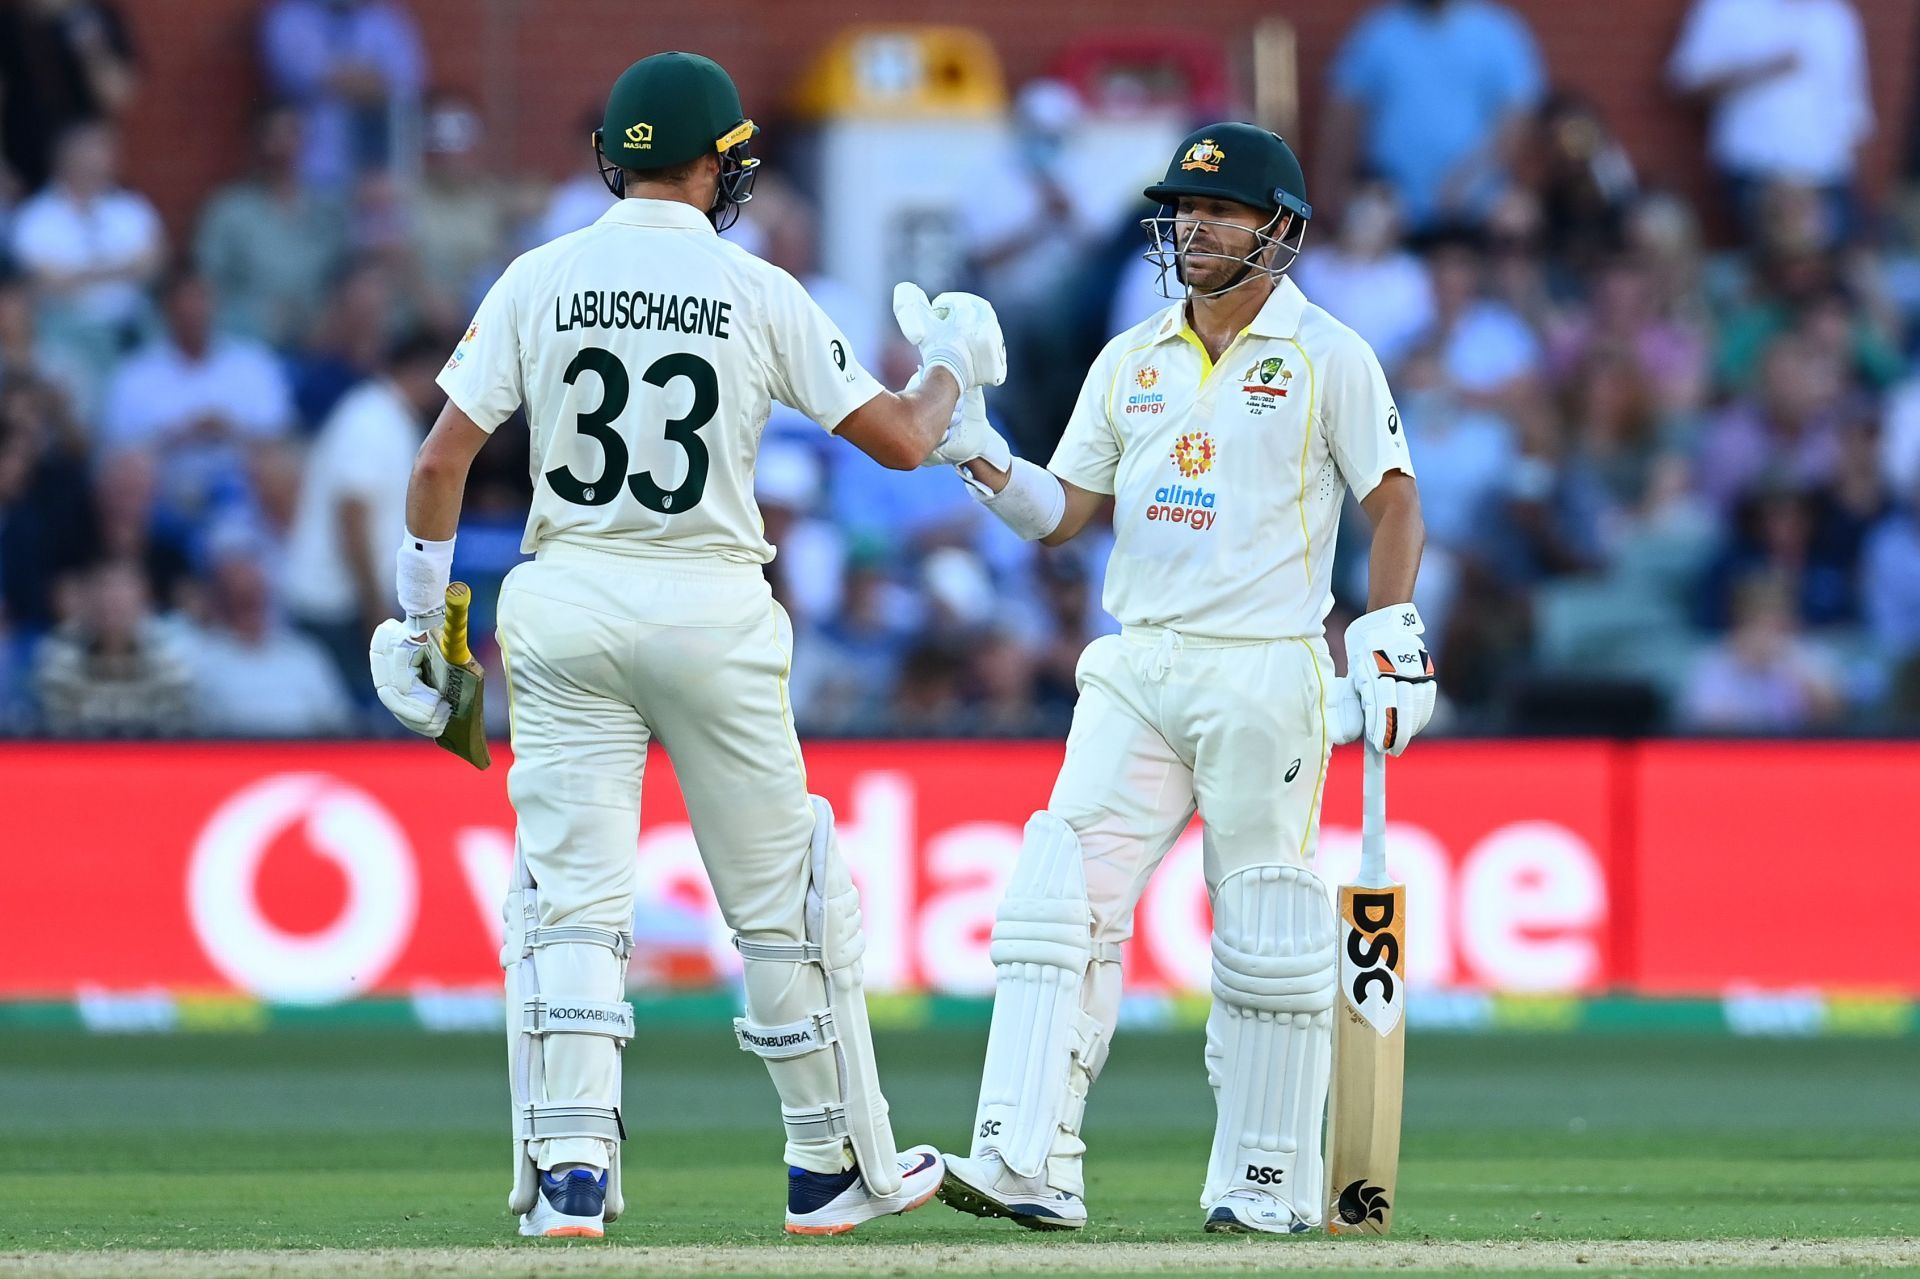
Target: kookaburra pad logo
[(1373, 943), (1362, 1203)]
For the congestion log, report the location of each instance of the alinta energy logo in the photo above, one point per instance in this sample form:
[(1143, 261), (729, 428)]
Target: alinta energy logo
[(1193, 455), (1146, 399)]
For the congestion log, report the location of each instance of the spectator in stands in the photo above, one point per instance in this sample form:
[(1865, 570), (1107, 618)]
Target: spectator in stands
[(346, 344), (1889, 581), (1490, 353), (1022, 241), (1763, 678), (267, 244), (254, 676), (1545, 518), (46, 509), (1367, 277), (1433, 96), (1776, 533), (354, 69), (90, 248), (849, 664), (810, 562), (464, 216), (27, 356), (1581, 176), (1620, 440), (135, 529), (202, 403), (1466, 453), (1790, 428), (62, 63), (1786, 82), (115, 669), (579, 199), (1623, 320), (351, 510)]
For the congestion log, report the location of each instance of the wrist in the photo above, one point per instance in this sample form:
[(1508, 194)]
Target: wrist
[(422, 569)]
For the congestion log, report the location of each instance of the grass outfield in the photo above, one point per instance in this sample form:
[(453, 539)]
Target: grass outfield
[(1597, 1153)]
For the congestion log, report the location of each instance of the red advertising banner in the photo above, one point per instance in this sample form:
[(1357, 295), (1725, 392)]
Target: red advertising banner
[(319, 872), (1776, 865)]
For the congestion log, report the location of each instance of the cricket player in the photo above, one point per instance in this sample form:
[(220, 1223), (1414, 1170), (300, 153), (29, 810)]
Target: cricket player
[(1226, 428), (646, 351)]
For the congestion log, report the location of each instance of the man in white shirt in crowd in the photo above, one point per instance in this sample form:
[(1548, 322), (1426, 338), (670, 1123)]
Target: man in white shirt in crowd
[(254, 676), (1786, 81), (201, 402), (352, 507), (90, 247)]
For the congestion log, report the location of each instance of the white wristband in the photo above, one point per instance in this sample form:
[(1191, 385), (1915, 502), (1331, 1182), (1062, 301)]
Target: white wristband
[(421, 572), (1032, 504)]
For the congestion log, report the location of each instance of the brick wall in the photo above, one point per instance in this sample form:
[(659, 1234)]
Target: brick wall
[(536, 65)]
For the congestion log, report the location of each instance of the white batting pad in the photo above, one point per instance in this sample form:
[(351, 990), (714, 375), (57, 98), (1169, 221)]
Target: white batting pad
[(807, 1018), (1270, 1035), (1042, 1049), (567, 1023)]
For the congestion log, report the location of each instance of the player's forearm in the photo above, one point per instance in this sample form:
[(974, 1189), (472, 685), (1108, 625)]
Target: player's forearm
[(1399, 535), (928, 412), (434, 495)]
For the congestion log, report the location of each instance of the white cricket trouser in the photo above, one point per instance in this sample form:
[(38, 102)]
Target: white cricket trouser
[(1169, 723), (605, 652)]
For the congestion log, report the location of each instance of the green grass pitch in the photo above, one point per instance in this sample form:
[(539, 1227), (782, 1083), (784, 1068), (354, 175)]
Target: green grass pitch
[(1696, 1150)]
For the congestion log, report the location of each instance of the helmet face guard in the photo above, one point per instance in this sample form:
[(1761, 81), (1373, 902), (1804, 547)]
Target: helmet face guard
[(1270, 258), (737, 172)]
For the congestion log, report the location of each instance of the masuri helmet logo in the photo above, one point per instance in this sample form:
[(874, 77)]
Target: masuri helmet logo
[(640, 136), (1204, 155)]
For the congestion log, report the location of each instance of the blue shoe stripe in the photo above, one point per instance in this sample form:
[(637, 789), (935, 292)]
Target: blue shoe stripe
[(811, 1191)]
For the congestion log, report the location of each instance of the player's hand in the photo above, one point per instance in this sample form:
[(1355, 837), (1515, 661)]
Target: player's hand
[(958, 330), (408, 673), (970, 435), (1389, 668)]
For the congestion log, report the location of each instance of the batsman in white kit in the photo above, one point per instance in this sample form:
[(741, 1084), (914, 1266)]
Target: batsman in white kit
[(1227, 429), (646, 351)]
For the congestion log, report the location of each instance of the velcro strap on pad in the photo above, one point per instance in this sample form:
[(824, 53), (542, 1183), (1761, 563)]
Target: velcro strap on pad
[(578, 1017), (819, 1123), (778, 952), (547, 1121), (795, 1039), (619, 942)]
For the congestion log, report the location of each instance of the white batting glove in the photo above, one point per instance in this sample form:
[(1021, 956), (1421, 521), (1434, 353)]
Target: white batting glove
[(970, 435), (406, 669), (1346, 717), (1391, 671), (958, 330)]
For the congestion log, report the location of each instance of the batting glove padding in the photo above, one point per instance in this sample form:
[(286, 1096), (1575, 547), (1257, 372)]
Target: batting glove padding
[(406, 667), (1389, 667), (958, 330), (970, 435)]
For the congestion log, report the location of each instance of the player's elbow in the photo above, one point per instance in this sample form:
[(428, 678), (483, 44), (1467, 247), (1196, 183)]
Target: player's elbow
[(897, 452)]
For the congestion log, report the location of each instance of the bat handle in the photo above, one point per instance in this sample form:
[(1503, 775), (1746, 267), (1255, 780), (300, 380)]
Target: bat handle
[(453, 639), (1373, 818)]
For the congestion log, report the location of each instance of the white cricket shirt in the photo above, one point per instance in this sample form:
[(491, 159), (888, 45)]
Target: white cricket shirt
[(1228, 476), (648, 351)]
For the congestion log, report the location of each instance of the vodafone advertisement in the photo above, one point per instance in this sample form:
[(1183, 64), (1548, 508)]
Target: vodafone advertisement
[(313, 873)]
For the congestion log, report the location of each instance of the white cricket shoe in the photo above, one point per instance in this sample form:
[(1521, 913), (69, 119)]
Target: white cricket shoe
[(986, 1187), (570, 1206), (821, 1203), (1252, 1212)]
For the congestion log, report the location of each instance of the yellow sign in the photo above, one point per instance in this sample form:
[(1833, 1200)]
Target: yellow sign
[(639, 137)]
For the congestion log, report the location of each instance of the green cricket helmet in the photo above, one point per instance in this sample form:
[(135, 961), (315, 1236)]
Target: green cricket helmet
[(668, 109), (1234, 161)]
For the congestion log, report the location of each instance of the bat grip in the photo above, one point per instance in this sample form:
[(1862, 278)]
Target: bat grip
[(1373, 818), (453, 638)]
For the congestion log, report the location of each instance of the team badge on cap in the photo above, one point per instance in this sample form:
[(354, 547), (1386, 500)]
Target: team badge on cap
[(1204, 155)]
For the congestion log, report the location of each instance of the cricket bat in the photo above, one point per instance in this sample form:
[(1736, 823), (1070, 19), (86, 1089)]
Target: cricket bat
[(466, 732), (1369, 1029)]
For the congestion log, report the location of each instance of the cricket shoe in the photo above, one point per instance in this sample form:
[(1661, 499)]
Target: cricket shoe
[(820, 1203), (569, 1206), (1250, 1212), (984, 1186)]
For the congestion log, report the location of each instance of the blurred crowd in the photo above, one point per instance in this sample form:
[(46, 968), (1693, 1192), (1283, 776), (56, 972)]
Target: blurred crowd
[(1669, 454)]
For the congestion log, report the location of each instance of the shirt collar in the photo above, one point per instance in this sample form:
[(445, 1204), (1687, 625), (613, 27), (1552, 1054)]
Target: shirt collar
[(657, 213), (1278, 318)]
